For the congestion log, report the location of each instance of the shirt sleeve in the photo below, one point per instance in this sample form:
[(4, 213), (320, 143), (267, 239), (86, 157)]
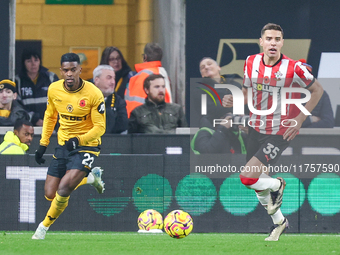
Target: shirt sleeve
[(50, 119), (302, 76)]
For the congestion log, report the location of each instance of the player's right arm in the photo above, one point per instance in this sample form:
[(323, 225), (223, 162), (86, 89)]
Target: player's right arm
[(50, 119)]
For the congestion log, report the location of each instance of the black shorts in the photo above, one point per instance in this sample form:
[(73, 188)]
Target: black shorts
[(267, 148), (82, 159)]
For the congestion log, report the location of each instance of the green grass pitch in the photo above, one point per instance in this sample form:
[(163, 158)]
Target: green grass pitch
[(101, 243)]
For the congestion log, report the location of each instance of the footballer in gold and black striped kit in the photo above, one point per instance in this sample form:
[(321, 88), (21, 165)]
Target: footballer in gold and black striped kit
[(81, 110)]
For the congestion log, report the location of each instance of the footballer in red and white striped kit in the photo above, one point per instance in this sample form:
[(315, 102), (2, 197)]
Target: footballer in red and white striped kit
[(263, 79), (268, 75)]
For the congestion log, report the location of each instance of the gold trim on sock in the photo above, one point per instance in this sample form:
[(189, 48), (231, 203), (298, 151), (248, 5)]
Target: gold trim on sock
[(49, 199), (83, 182)]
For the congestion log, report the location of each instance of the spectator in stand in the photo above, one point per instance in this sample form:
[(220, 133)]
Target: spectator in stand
[(134, 94), (33, 82), (155, 115), (210, 69), (116, 115), (17, 142), (322, 115), (210, 73), (113, 56), (10, 109)]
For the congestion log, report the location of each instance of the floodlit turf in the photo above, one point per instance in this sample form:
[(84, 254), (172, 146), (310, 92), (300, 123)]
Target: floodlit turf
[(100, 243)]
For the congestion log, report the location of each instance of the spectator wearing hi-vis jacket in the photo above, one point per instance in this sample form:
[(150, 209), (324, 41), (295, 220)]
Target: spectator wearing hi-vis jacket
[(134, 93)]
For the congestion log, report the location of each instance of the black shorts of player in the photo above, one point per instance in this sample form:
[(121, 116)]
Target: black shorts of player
[(267, 148), (81, 158)]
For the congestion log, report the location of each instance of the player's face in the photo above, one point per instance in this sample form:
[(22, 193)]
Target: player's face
[(106, 82), (25, 134), (32, 65), (272, 42), (209, 68), (70, 72), (156, 92), (115, 61), (7, 96)]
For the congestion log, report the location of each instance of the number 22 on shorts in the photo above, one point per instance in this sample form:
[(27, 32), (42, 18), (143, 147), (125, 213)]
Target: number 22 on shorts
[(88, 160)]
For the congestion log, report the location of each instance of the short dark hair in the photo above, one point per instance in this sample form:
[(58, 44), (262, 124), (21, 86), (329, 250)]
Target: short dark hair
[(20, 122), (69, 57), (272, 26), (28, 54), (150, 78), (153, 52)]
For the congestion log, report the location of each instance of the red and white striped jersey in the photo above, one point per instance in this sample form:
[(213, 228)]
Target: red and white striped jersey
[(264, 80)]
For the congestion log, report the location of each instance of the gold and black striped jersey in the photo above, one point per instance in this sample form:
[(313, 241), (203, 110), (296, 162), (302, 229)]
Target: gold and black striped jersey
[(81, 114)]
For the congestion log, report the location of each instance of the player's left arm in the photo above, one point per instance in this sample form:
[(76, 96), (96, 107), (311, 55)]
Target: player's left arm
[(316, 93), (99, 122)]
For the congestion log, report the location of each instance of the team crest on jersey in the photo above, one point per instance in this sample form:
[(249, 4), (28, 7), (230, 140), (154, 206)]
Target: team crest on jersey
[(101, 108), (69, 108), (82, 103), (278, 76)]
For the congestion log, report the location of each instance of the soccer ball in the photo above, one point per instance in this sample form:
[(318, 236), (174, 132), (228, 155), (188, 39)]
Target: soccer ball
[(178, 224), (150, 219)]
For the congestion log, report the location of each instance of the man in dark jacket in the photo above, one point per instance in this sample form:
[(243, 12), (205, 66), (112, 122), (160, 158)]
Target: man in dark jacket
[(155, 115), (10, 109), (116, 115), (33, 82)]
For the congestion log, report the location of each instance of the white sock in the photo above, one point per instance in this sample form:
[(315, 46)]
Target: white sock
[(263, 196), (90, 178), (266, 182), (277, 217)]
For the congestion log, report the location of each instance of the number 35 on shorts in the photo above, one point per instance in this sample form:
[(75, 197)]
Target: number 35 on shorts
[(271, 150)]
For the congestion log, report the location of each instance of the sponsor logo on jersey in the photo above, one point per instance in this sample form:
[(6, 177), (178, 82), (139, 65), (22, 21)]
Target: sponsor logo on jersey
[(73, 118), (69, 108), (101, 108), (264, 87)]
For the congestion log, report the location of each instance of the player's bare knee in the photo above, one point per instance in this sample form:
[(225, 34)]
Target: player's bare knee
[(65, 190), (49, 194)]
